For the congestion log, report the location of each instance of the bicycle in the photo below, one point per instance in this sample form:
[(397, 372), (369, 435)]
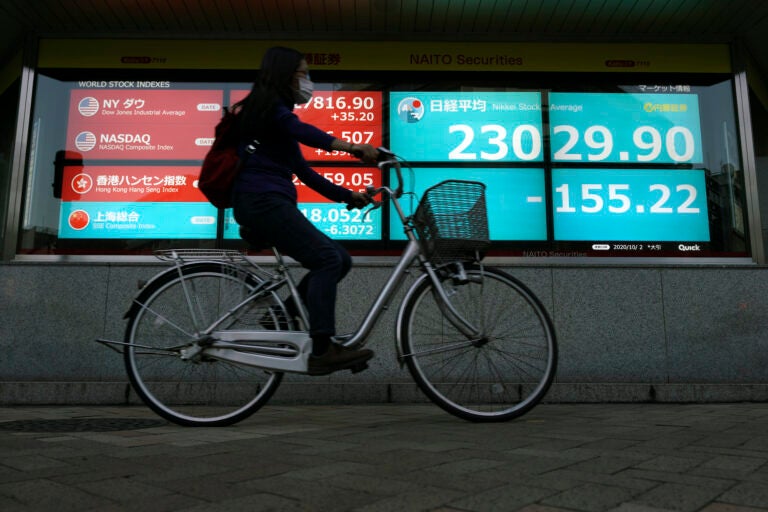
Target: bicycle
[(208, 340)]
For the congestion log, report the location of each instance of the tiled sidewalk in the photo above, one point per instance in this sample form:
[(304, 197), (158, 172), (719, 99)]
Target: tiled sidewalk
[(639, 457)]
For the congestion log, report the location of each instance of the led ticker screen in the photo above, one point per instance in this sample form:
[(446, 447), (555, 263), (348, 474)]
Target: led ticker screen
[(466, 126), (134, 202), (612, 173), (515, 200), (353, 116), (622, 204), (334, 219), (565, 205), (630, 205), (139, 124), (625, 127), (139, 198)]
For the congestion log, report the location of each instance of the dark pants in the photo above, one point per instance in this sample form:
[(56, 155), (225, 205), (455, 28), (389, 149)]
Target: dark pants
[(275, 220)]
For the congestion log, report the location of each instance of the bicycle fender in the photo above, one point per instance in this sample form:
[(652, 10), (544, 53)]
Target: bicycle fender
[(136, 301)]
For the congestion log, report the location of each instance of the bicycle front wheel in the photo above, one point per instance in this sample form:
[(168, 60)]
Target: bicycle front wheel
[(162, 335), (502, 373)]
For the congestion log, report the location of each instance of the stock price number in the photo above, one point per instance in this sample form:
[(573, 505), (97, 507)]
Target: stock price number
[(593, 199), (338, 222), (630, 205), (649, 144), (357, 109), (327, 101), (495, 142), (353, 178), (354, 136), (631, 128), (356, 180)]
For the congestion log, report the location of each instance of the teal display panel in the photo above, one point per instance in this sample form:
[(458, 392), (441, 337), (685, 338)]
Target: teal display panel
[(625, 128), (111, 220), (466, 126), (630, 205), (515, 199), (333, 219)]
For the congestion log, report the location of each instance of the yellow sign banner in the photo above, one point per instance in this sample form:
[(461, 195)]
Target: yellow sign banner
[(388, 55)]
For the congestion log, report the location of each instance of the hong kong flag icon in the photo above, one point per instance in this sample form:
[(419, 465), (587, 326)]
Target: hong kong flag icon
[(82, 183)]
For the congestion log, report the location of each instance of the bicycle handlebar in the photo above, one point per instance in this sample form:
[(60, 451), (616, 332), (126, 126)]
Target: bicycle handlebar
[(386, 159), (389, 159)]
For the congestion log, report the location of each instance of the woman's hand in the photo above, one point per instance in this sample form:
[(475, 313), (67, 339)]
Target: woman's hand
[(360, 200), (365, 152)]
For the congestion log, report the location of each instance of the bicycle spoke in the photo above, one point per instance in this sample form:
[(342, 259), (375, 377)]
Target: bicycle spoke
[(494, 378), (196, 390), (166, 320), (439, 349)]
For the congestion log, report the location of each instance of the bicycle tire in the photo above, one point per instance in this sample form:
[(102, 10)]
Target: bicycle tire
[(201, 392), (497, 378)]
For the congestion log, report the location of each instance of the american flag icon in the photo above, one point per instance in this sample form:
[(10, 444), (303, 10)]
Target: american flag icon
[(88, 106), (85, 141)]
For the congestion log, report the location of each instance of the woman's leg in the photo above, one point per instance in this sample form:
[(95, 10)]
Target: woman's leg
[(277, 220)]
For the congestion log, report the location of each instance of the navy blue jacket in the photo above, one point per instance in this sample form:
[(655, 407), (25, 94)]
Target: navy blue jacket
[(278, 157)]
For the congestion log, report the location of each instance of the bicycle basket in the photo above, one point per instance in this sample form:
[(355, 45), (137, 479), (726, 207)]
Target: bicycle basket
[(452, 222)]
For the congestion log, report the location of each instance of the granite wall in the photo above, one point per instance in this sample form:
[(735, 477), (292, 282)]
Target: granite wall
[(626, 333)]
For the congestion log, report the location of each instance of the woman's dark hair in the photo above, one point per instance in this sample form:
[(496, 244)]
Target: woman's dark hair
[(274, 83)]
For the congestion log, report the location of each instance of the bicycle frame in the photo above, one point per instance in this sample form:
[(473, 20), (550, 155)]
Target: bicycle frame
[(289, 351), (229, 349)]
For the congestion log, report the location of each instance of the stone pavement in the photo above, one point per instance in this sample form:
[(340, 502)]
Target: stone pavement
[(606, 457)]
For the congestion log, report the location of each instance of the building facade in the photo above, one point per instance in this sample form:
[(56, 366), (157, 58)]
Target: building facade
[(624, 182)]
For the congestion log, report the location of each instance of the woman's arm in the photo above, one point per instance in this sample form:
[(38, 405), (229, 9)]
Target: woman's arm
[(310, 135)]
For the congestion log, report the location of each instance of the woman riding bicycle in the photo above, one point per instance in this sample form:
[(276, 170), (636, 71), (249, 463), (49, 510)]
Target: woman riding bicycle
[(265, 198)]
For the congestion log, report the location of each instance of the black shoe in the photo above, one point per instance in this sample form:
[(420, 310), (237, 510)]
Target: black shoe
[(338, 357)]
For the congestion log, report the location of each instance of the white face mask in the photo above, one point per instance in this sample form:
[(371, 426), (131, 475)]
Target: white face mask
[(304, 92)]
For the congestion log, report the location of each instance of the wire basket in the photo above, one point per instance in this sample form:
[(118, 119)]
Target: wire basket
[(452, 222)]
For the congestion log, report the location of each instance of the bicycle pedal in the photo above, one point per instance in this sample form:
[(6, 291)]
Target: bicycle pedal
[(358, 367)]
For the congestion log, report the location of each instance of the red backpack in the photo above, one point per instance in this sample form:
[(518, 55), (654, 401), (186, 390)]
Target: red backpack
[(221, 163)]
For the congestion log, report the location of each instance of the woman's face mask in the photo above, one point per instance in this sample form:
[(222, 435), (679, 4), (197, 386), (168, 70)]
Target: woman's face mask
[(304, 92)]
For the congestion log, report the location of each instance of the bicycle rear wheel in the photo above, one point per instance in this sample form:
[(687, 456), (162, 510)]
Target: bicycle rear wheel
[(497, 377), (164, 324)]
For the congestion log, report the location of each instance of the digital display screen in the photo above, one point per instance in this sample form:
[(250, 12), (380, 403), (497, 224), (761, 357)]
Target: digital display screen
[(597, 204), (466, 126), (611, 173), (515, 199), (134, 202), (630, 205), (352, 116), (140, 124), (139, 198), (334, 219), (625, 127)]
